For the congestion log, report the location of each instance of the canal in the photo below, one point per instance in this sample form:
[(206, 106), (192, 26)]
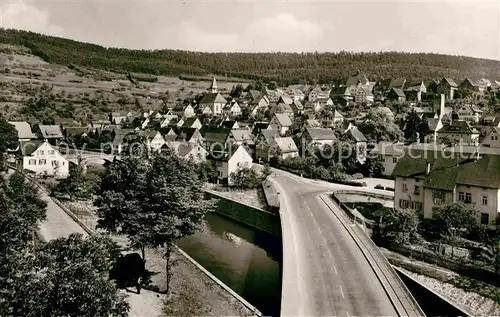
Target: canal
[(245, 259)]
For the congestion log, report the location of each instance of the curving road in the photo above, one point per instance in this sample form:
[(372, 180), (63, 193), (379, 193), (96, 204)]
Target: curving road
[(324, 271)]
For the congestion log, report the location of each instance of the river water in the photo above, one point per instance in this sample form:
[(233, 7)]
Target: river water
[(245, 259)]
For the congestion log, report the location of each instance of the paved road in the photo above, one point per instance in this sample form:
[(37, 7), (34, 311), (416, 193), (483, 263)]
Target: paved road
[(325, 273)]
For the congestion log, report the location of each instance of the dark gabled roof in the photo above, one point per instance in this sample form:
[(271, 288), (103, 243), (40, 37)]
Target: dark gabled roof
[(397, 83), (211, 98), (187, 133), (255, 95), (413, 85), (450, 82), (340, 91), (74, 131), (268, 136), (356, 134), (457, 126), (359, 78), (28, 147), (258, 127), (399, 92), (189, 121), (321, 133), (468, 82), (51, 131), (216, 134), (228, 124), (224, 155), (447, 171)]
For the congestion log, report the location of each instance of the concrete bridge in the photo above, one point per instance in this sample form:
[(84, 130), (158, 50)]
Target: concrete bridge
[(330, 266)]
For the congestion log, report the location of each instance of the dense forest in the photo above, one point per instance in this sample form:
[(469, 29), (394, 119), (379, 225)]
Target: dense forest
[(284, 68)]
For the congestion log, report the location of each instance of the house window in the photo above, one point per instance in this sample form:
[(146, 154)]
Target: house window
[(417, 190), (32, 162), (484, 200), (394, 160), (51, 152), (417, 206), (403, 203), (461, 196), (40, 152), (55, 163), (405, 187), (438, 196), (468, 198), (485, 218), (42, 162)]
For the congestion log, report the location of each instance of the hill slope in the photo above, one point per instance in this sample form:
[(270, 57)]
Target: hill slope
[(285, 68)]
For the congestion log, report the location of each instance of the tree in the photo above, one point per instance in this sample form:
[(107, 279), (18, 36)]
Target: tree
[(379, 126), (176, 204), (79, 184), (373, 166), (68, 277), (236, 91), (246, 178), (154, 201), (400, 227), (415, 128), (456, 220), (8, 136)]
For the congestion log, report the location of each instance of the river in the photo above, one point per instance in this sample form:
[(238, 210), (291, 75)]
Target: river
[(245, 259)]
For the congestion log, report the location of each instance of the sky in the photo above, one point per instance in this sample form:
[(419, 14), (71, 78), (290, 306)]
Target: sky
[(468, 28)]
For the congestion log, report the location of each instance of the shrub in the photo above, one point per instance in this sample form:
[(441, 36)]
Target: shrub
[(378, 186), (358, 176), (389, 189)]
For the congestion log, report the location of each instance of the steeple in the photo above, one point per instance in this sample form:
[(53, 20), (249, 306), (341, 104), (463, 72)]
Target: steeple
[(213, 86)]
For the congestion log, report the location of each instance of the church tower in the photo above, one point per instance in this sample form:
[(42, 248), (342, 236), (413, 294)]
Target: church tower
[(213, 86)]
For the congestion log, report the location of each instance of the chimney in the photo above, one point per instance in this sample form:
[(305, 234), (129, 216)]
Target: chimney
[(428, 170)]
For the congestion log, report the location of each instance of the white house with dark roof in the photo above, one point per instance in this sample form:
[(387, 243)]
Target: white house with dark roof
[(23, 130), (319, 136), (229, 161), (448, 87), (232, 109), (281, 122), (353, 134), (44, 159), (426, 182), (458, 132)]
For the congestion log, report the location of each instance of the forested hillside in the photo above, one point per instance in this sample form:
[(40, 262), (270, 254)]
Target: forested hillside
[(285, 68)]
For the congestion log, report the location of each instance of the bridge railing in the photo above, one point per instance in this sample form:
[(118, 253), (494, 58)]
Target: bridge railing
[(396, 290)]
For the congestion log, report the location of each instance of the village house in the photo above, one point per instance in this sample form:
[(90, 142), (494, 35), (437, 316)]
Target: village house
[(216, 138), (425, 183), (469, 87), (257, 127), (232, 109), (241, 137), (192, 122), (471, 113), (51, 133), (390, 153), (396, 94), (341, 95), (448, 87), (188, 150), (284, 148), (414, 90), (319, 136), (229, 161), (154, 140), (183, 111), (170, 135), (355, 136), (335, 120), (117, 117), (41, 158), (282, 108), (358, 79), (458, 132), (23, 129), (490, 120), (264, 142), (168, 121), (492, 139), (191, 135), (362, 94), (281, 122)]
